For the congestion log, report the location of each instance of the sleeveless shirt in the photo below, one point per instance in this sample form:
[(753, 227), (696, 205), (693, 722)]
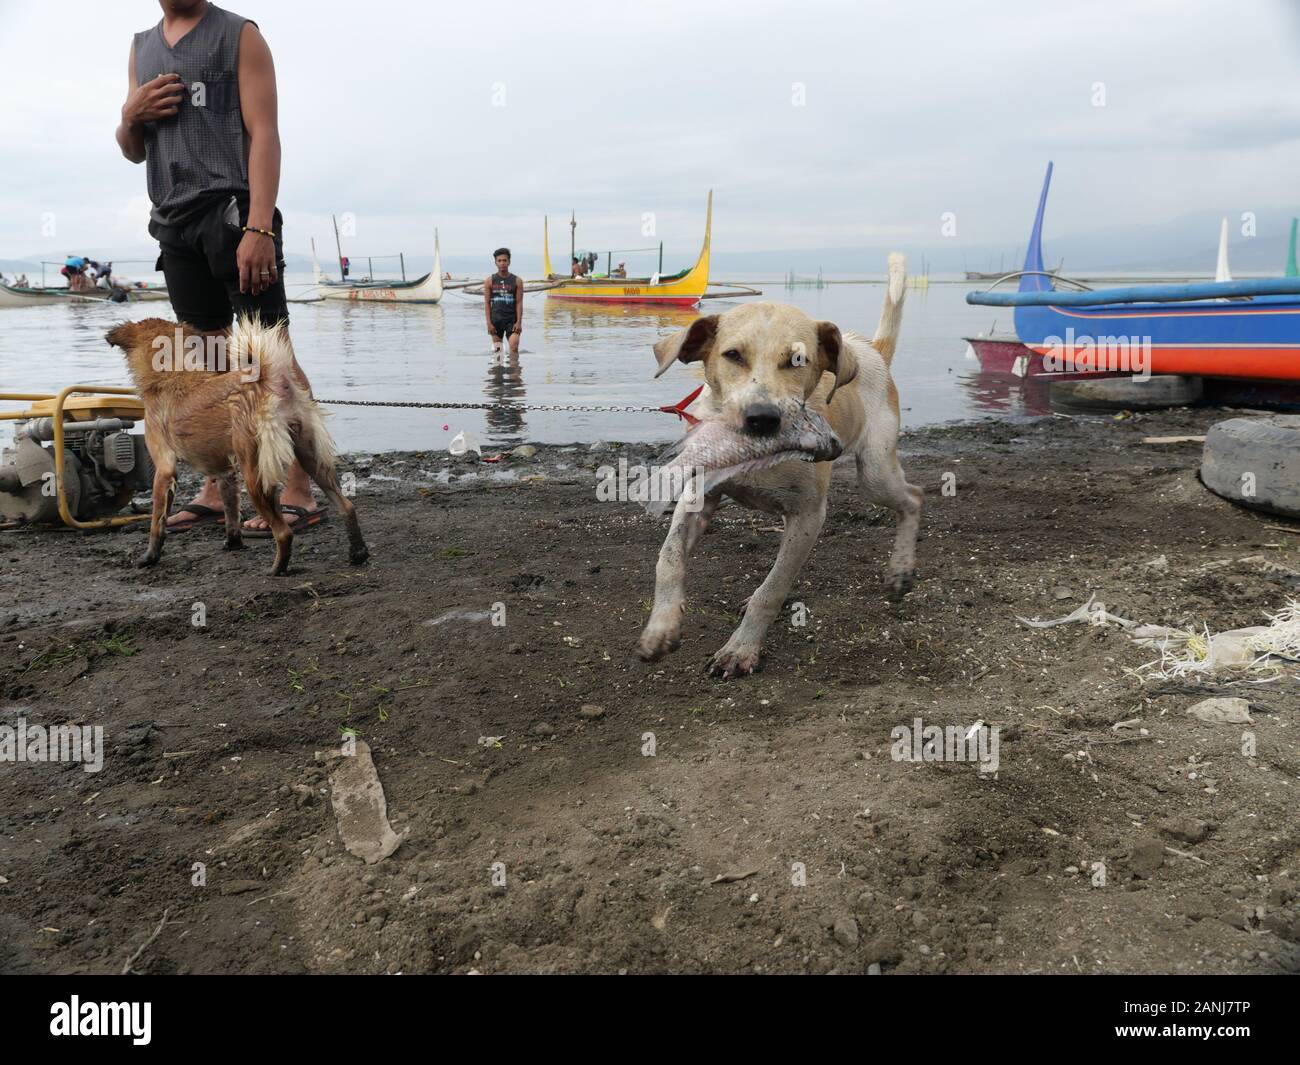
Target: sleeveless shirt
[(200, 154), (503, 295)]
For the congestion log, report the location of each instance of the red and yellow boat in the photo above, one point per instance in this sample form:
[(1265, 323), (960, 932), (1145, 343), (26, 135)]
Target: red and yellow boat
[(684, 289)]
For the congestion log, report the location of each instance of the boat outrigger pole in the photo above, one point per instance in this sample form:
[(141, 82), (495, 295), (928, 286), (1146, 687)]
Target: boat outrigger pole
[(343, 275)]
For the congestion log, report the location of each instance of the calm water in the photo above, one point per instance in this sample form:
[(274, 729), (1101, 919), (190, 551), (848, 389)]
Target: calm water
[(571, 354)]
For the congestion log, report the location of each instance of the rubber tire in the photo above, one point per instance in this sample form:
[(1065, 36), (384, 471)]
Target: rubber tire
[(1268, 447), (1125, 393)]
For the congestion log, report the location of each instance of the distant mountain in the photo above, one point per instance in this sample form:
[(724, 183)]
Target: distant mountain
[(1185, 245)]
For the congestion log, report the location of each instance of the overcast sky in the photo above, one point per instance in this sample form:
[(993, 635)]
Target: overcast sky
[(818, 125)]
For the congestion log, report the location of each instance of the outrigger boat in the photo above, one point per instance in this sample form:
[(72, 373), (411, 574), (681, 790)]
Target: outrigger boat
[(684, 289), (426, 289), (48, 295), (1246, 329)]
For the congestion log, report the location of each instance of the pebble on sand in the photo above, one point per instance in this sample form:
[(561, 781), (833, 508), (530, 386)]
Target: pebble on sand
[(1187, 829), (845, 931), (1147, 856), (1221, 711)]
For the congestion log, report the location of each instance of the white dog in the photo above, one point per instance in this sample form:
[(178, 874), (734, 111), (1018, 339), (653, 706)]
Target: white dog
[(757, 370)]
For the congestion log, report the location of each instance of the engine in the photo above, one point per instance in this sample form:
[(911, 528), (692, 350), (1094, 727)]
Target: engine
[(104, 466)]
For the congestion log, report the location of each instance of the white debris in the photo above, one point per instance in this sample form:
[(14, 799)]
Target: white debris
[(464, 442)]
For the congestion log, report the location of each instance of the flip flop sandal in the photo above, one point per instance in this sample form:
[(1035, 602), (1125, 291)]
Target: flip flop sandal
[(202, 516), (307, 519)]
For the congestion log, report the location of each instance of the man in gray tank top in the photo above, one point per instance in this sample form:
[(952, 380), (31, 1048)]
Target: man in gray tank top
[(200, 113)]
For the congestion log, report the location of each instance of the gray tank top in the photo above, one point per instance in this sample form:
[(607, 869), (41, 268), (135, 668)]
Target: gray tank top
[(200, 154)]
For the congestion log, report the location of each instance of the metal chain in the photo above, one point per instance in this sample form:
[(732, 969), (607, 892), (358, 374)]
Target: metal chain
[(491, 406)]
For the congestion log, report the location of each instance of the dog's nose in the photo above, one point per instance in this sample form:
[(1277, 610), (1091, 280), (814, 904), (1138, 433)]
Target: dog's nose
[(762, 419)]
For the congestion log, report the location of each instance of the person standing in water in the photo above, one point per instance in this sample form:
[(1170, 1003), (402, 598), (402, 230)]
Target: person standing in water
[(200, 112), (503, 304)]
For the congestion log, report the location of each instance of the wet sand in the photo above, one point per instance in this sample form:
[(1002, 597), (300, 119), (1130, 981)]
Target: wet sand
[(525, 744)]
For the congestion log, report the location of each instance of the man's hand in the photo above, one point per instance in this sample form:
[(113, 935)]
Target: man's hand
[(256, 261), (160, 98)]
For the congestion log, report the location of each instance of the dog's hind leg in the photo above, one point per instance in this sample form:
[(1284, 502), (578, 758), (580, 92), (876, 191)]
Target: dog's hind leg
[(742, 652), (663, 632), (229, 486), (881, 479), (321, 470), (267, 506), (164, 487)]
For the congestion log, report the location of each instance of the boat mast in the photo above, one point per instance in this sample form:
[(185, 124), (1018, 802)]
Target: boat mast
[(573, 237), (1221, 271), (1033, 279), (343, 276)]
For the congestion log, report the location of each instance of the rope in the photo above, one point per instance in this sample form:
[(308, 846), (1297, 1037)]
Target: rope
[(678, 409), (488, 406)]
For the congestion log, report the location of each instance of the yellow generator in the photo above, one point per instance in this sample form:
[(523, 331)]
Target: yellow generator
[(74, 458)]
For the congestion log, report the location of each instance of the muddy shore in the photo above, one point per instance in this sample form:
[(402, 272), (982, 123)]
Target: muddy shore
[(770, 831)]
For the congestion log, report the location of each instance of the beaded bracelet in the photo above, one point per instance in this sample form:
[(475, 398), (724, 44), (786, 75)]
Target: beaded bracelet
[(254, 229)]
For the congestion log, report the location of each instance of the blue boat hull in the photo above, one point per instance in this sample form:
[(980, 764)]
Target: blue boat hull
[(1257, 337)]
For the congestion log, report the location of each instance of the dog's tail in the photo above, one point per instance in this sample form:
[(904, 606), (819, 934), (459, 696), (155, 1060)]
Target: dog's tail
[(280, 415), (891, 313)]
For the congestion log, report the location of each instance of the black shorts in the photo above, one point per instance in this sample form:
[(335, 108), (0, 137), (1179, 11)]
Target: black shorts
[(198, 261), (504, 326)]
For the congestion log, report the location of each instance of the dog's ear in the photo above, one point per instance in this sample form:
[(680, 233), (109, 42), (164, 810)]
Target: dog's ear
[(121, 335), (833, 358), (687, 345), (126, 335)]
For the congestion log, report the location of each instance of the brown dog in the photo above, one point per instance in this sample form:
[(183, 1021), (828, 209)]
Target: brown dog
[(762, 362), (224, 404)]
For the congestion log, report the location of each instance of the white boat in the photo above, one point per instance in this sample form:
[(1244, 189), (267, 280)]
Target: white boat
[(45, 295), (426, 289)]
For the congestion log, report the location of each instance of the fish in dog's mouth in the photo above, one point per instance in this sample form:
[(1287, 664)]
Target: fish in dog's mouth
[(714, 452)]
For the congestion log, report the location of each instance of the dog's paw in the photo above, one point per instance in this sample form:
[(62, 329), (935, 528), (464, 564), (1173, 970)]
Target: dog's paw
[(148, 562), (897, 585), (656, 643), (359, 556), (234, 543), (735, 660)]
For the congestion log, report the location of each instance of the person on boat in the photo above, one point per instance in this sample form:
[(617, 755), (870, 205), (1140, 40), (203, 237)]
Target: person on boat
[(620, 270), (72, 267), (81, 273), (213, 166), (503, 304)]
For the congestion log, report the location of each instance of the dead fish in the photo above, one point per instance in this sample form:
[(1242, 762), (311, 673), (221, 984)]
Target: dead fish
[(713, 453)]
